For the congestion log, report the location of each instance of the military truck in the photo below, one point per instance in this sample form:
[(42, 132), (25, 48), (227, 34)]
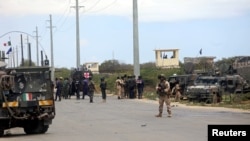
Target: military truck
[(26, 99), (205, 89), (76, 78), (235, 84)]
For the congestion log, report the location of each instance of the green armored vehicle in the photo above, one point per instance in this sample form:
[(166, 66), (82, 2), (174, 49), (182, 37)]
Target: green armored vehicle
[(26, 99), (205, 89)]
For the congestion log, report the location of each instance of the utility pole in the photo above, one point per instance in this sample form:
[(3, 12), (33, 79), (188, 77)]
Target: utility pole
[(28, 44), (22, 64), (17, 55), (77, 35), (37, 53), (51, 47), (136, 40)]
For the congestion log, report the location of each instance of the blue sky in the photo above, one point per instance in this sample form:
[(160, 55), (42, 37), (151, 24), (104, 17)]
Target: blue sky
[(220, 27)]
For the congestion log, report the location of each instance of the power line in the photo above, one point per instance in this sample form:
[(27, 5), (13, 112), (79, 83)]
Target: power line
[(109, 5)]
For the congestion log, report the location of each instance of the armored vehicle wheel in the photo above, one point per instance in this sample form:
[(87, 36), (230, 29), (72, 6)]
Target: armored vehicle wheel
[(1, 132), (36, 128)]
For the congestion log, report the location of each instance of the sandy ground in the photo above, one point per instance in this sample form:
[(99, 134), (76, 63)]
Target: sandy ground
[(177, 104)]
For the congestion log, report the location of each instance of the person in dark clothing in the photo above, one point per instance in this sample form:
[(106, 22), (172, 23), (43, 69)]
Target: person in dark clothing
[(59, 87), (77, 86), (73, 87), (85, 88), (103, 86), (140, 86), (66, 88), (132, 86)]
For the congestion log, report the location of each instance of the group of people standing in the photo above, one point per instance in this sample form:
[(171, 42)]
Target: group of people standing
[(65, 89), (129, 87), (126, 86)]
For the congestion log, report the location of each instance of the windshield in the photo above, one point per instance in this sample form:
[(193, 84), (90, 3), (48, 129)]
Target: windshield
[(29, 82), (207, 80)]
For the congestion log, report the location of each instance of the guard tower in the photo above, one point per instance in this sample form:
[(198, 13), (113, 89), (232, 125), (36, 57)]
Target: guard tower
[(167, 58), (92, 66)]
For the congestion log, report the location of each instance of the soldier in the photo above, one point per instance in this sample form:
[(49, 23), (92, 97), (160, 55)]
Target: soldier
[(122, 87), (103, 86), (132, 87), (66, 88), (59, 86), (140, 86), (118, 84), (92, 89), (77, 86), (163, 91), (177, 91), (125, 86), (85, 87)]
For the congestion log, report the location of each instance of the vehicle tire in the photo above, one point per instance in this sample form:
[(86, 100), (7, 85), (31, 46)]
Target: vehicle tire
[(37, 127), (1, 132)]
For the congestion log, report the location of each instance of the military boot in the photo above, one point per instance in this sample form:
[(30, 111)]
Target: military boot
[(159, 115)]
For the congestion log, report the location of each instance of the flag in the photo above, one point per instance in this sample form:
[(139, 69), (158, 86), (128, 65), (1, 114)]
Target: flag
[(27, 96), (10, 50), (201, 51), (7, 44)]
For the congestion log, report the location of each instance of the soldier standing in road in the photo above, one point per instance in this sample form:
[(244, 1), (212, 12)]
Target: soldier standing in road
[(103, 86), (125, 86), (163, 91), (59, 86), (132, 87), (118, 84), (85, 87), (92, 89), (77, 86), (140, 86), (66, 88)]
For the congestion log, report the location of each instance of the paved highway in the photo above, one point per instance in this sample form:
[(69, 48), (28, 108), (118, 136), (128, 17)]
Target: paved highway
[(129, 120)]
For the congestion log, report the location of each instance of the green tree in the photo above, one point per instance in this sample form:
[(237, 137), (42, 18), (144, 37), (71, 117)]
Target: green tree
[(28, 63)]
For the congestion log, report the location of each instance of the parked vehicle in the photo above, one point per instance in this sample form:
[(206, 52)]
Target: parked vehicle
[(205, 89), (26, 99)]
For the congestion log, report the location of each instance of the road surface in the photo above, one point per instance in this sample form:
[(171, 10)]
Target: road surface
[(129, 120)]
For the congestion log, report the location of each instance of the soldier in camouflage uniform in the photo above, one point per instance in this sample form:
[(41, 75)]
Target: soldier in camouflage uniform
[(163, 91), (92, 89), (118, 85)]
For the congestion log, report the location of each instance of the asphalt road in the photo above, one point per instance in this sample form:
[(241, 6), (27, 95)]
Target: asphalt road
[(129, 120)]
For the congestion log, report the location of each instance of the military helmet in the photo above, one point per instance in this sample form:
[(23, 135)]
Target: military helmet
[(161, 76)]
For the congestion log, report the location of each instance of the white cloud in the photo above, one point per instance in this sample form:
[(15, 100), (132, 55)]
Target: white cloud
[(149, 10)]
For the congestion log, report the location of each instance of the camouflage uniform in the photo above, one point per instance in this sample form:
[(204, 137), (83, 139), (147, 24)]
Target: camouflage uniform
[(66, 88), (163, 91), (177, 92), (118, 84), (92, 89), (103, 86)]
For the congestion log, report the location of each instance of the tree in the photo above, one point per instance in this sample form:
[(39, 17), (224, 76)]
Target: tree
[(28, 63)]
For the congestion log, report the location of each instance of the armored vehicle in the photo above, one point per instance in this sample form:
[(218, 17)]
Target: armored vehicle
[(205, 89), (235, 84), (26, 99)]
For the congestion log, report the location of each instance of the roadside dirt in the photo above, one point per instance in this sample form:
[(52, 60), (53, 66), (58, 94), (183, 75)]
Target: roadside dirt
[(177, 104)]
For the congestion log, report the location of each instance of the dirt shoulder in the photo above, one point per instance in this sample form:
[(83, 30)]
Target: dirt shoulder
[(208, 107)]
